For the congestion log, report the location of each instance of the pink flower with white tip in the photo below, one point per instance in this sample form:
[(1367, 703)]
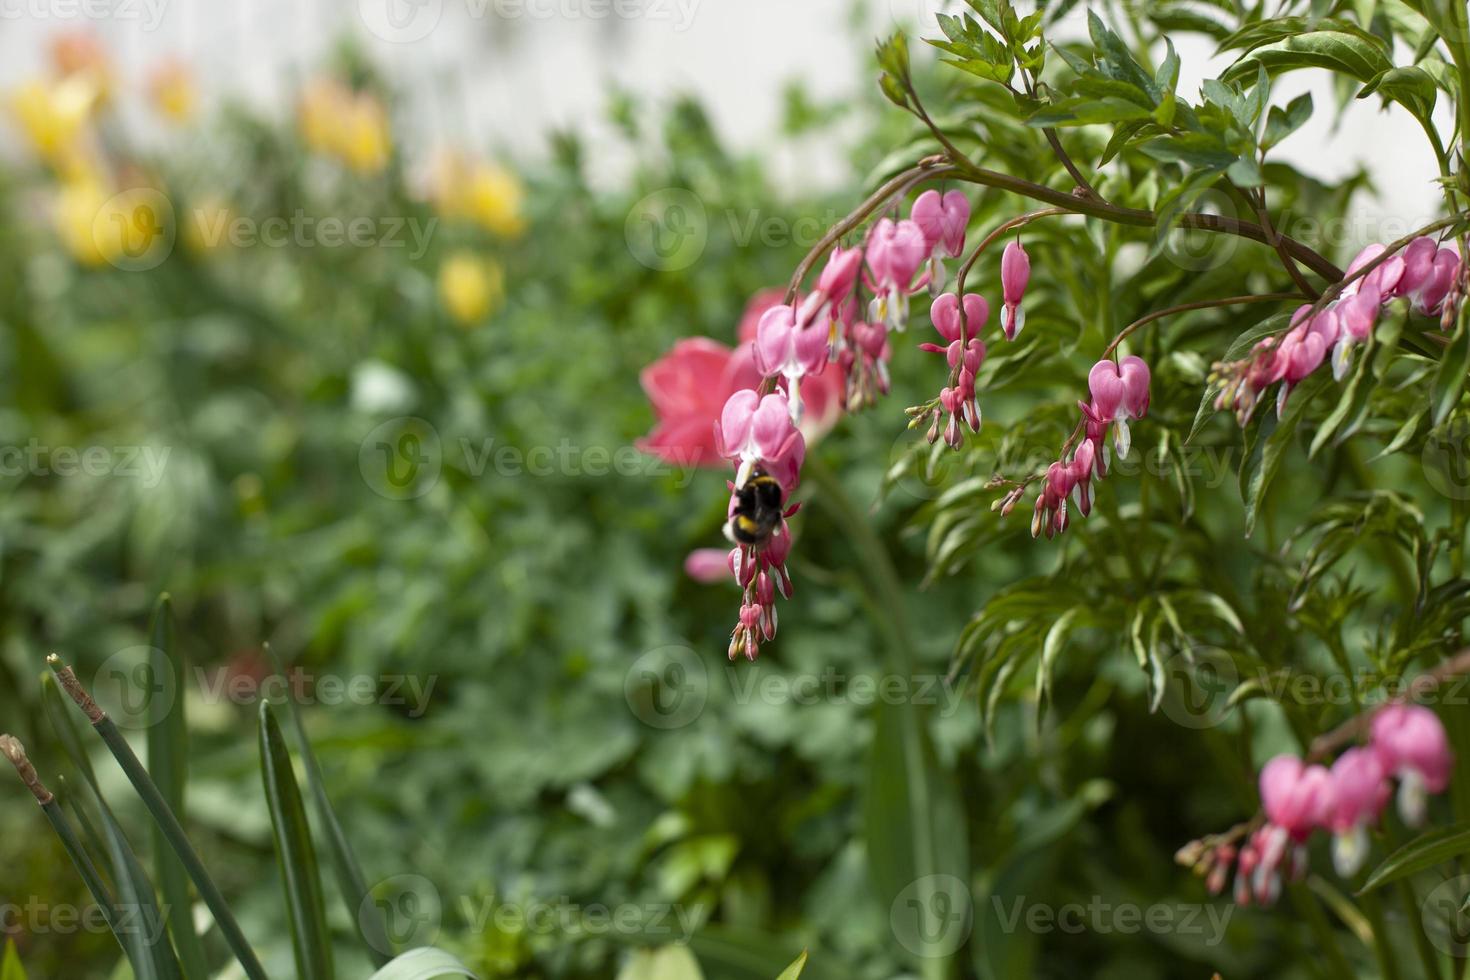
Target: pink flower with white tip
[(1297, 799), (833, 285), (896, 250), (758, 432), (1412, 746), (1120, 392), (1356, 317), (943, 219), (1015, 275), (1359, 791), (783, 348), (1050, 513)]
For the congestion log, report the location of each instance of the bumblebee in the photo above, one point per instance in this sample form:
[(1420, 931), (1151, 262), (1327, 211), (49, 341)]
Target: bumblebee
[(757, 510)]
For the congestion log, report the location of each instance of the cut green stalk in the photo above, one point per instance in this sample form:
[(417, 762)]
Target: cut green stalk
[(11, 748), (168, 763), (169, 823)]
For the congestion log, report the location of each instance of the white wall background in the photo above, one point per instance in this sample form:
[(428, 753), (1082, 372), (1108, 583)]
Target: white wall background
[(499, 73)]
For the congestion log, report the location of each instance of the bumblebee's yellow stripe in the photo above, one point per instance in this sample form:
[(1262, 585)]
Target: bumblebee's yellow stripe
[(745, 524)]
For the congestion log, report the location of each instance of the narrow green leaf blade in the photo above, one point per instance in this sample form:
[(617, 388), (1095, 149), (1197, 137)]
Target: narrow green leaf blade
[(792, 972), (1423, 852), (351, 883), (168, 764), (295, 856)]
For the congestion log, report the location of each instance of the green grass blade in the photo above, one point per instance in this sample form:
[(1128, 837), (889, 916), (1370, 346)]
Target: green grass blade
[(295, 855), (168, 764), (351, 882), (424, 963)]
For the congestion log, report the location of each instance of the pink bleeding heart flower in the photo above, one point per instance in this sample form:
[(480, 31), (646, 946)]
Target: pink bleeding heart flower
[(1050, 514), (1418, 258), (688, 387), (1356, 317), (1431, 295), (1083, 461), (758, 431), (793, 352), (1411, 744), (943, 220), (1120, 392), (1384, 277), (833, 285), (821, 393), (1296, 797), (1359, 791), (945, 313), (1015, 275), (895, 251)]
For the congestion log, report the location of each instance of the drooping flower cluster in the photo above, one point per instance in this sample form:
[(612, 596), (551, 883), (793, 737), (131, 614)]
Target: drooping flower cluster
[(1430, 278), (965, 352), (1119, 393), (757, 434), (1407, 743)]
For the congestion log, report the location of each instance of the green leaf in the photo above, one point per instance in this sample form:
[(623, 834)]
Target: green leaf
[(366, 915), (1280, 29), (424, 963), (295, 856), (1411, 87), (1274, 445), (168, 764), (672, 962), (792, 972), (10, 968), (914, 823), (1281, 123), (1425, 851), (1348, 54)]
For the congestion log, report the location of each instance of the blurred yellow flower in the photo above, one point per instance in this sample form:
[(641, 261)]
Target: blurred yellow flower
[(351, 126), (54, 116), (98, 225), (470, 287), (171, 87), (478, 191)]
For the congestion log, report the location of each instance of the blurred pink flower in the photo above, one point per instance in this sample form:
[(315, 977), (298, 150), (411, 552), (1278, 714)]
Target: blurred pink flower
[(688, 387)]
